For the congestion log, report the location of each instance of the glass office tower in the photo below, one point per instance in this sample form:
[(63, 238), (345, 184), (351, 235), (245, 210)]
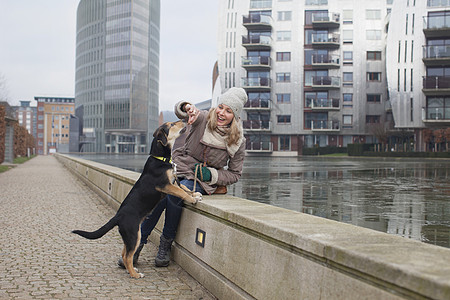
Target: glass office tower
[(117, 73)]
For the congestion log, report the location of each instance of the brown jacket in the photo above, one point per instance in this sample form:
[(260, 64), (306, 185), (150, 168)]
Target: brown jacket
[(225, 165)]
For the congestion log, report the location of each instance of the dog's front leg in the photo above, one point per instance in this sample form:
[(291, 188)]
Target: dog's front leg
[(177, 191)]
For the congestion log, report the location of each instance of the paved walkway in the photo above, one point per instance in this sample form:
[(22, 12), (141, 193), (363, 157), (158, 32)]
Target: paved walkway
[(40, 203)]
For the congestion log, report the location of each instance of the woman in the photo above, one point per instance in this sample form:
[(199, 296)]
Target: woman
[(215, 140)]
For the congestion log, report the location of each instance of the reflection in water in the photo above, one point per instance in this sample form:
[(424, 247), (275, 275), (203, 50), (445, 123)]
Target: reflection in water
[(404, 197)]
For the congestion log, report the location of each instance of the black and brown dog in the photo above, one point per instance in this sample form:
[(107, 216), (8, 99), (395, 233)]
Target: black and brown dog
[(156, 181)]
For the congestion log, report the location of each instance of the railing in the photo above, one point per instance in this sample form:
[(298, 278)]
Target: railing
[(436, 82), (436, 51), (257, 40), (436, 22), (258, 103), (324, 125), (256, 61), (256, 82), (326, 17), (436, 113), (256, 125), (326, 81), (322, 103), (325, 59), (325, 38), (259, 146), (257, 19)]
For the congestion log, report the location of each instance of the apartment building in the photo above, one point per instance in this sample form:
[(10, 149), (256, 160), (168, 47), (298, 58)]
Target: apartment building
[(53, 119), (26, 115), (418, 68), (314, 70)]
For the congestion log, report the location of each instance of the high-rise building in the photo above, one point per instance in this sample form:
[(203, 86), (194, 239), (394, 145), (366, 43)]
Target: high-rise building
[(418, 68), (117, 73), (53, 119), (314, 70)]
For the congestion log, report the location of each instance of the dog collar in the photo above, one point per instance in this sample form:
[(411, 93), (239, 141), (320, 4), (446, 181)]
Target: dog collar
[(164, 159)]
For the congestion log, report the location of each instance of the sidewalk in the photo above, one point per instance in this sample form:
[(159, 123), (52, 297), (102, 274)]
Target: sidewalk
[(40, 203)]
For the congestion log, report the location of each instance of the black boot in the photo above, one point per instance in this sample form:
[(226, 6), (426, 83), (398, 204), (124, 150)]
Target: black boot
[(135, 257), (163, 257)]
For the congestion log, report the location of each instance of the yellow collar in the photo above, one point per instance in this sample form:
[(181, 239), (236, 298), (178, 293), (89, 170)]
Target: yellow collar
[(164, 159)]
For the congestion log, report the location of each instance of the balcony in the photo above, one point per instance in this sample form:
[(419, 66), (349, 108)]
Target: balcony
[(440, 115), (325, 61), (256, 62), (258, 104), (436, 85), (320, 40), (323, 104), (326, 82), (256, 125), (257, 83), (262, 42), (437, 55), (323, 125), (257, 22), (436, 26), (259, 147), (325, 20)]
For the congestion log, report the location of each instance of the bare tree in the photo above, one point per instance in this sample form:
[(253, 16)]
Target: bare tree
[(380, 132)]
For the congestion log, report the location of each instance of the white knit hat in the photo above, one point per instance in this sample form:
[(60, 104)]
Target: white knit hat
[(235, 98)]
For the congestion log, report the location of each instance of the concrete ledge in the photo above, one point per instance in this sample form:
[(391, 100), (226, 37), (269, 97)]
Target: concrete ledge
[(254, 250)]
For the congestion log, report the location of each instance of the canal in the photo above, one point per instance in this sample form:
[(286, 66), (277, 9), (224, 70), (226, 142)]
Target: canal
[(405, 197)]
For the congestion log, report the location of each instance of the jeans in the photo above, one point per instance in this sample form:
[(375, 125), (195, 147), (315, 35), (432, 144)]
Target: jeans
[(174, 207)]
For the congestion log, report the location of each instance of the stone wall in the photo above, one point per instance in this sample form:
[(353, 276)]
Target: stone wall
[(256, 251)]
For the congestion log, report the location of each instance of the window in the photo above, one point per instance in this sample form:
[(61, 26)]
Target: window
[(347, 97), (347, 35), (283, 77), (348, 56), (373, 55), (348, 77), (411, 109), (283, 35), (316, 2), (347, 16), (373, 98), (347, 120), (412, 73), (283, 98), (285, 143), (372, 119), (283, 119), (406, 25), (373, 34), (283, 56), (284, 15), (373, 76), (373, 14)]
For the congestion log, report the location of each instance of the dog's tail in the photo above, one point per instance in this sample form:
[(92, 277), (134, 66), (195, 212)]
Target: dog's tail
[(99, 232)]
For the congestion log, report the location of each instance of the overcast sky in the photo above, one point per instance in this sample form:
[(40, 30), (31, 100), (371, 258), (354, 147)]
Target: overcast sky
[(37, 49)]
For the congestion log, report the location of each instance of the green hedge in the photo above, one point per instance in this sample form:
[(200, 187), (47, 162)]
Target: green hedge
[(324, 150), (408, 154)]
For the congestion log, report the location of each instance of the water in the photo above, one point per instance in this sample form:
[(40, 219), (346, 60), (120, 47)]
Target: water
[(405, 197)]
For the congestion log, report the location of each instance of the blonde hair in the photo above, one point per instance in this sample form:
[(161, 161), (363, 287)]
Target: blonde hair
[(234, 134)]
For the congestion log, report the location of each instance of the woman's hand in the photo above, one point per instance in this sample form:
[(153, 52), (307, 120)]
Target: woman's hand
[(192, 112)]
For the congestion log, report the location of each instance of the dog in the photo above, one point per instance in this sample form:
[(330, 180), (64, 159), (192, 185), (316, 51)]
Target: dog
[(156, 181)]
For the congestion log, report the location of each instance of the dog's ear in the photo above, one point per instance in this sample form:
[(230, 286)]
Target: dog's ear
[(161, 135)]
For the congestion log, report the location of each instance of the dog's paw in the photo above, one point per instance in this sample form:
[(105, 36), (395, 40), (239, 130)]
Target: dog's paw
[(197, 197)]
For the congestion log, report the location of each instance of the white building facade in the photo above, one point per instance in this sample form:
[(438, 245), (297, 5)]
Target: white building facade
[(314, 70), (418, 67)]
